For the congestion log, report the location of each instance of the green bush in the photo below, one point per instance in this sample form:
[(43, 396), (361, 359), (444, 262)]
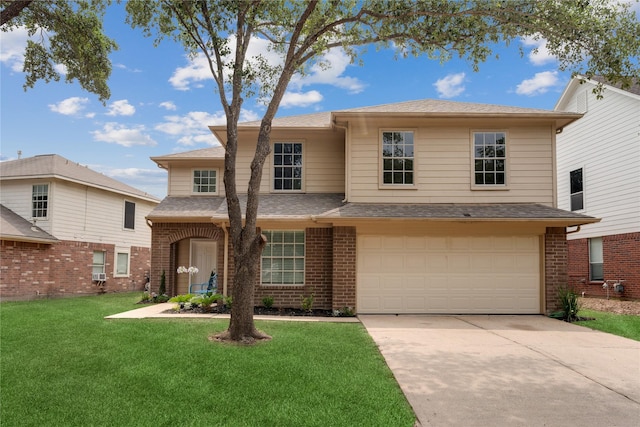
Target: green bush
[(267, 301), (228, 301), (569, 303), (182, 298), (307, 303)]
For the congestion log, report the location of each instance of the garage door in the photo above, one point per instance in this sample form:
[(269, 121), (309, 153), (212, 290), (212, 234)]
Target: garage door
[(452, 275)]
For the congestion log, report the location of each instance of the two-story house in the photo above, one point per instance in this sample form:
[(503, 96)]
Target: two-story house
[(416, 207), (68, 230), (599, 175)]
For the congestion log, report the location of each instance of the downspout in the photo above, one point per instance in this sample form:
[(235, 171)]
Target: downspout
[(575, 231)]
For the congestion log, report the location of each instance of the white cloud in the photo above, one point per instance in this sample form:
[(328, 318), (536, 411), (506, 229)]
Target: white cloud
[(12, 48), (300, 99), (539, 84), (336, 62), (168, 105), (539, 54), (121, 108), (70, 106), (115, 133), (328, 70), (151, 181), (193, 127), (451, 85)]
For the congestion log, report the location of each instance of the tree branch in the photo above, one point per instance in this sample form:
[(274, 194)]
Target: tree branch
[(13, 9)]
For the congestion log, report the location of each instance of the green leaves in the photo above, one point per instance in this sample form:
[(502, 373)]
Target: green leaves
[(68, 33)]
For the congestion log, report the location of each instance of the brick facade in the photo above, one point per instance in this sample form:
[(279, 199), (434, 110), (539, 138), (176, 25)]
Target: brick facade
[(555, 265), (32, 270), (621, 261)]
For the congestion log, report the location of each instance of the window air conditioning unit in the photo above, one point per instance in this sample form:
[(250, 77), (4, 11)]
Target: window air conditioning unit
[(99, 277)]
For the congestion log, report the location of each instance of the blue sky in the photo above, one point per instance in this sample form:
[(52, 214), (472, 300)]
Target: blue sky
[(161, 102)]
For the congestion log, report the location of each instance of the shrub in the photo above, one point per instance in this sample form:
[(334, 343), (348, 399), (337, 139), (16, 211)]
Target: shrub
[(267, 302), (228, 301), (569, 303), (307, 303), (182, 298), (163, 284)]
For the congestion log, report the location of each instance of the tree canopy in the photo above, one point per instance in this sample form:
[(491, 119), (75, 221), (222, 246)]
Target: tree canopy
[(591, 37), (63, 32)]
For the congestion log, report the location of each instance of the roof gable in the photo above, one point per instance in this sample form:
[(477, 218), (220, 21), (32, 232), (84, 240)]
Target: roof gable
[(55, 166), (578, 81)]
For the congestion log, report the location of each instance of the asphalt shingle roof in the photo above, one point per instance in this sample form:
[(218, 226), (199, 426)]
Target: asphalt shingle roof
[(14, 227), (330, 206), (55, 166)]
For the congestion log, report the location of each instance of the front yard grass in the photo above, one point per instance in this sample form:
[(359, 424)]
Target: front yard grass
[(62, 363), (624, 325)]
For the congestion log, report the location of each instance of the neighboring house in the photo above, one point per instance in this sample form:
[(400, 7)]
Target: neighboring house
[(416, 207), (68, 230), (599, 175)]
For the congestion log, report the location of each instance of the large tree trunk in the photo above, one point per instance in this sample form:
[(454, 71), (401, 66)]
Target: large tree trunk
[(241, 326)]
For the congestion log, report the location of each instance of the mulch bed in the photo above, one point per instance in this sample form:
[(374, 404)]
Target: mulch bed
[(257, 311)]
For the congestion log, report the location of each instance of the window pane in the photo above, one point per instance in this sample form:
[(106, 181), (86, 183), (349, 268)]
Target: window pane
[(490, 158), (576, 202), (596, 272), (576, 180), (595, 250), (122, 266), (283, 258), (287, 166), (39, 200), (129, 215)]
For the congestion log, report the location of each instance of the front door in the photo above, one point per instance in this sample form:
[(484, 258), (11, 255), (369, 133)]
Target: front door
[(204, 255)]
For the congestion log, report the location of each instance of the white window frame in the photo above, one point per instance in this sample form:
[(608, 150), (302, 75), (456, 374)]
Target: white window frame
[(124, 216), (581, 192), (117, 252), (273, 177), (596, 257), (383, 158), (505, 159), (47, 201), (217, 181), (275, 251), (98, 267)]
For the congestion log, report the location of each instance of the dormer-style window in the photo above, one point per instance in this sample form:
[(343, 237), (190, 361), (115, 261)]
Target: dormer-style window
[(490, 159), (205, 181), (287, 166), (397, 158), (40, 200)]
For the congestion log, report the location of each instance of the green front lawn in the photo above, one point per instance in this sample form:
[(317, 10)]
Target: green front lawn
[(625, 325), (62, 363)]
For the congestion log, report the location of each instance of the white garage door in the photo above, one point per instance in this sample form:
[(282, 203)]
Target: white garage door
[(404, 274)]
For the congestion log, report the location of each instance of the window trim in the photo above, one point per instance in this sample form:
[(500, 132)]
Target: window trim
[(581, 168), (124, 216), (117, 252), (48, 201), (102, 266), (507, 160), (381, 183), (202, 193), (591, 262), (304, 261), (272, 173)]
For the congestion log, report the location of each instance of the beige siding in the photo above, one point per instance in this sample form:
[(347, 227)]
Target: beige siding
[(443, 163), (323, 160), (81, 213), (605, 143), (181, 174)]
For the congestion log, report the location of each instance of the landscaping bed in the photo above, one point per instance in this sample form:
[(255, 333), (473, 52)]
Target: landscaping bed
[(611, 305)]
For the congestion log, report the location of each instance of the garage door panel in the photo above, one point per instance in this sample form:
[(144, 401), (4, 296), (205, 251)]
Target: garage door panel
[(415, 274)]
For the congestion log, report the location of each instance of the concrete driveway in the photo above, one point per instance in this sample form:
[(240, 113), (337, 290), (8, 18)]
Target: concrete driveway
[(510, 370)]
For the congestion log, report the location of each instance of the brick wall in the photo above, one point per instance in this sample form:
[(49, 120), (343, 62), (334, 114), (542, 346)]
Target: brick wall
[(344, 267), (32, 270), (621, 253), (555, 265)]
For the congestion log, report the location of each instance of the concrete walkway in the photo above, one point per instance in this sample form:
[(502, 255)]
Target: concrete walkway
[(158, 311), (510, 370)]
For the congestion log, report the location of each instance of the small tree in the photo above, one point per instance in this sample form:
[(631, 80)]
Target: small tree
[(593, 37)]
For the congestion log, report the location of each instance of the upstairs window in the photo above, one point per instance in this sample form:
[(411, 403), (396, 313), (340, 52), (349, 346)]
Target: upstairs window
[(397, 158), (129, 215), (490, 158), (40, 200), (287, 166), (205, 181), (577, 193)]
